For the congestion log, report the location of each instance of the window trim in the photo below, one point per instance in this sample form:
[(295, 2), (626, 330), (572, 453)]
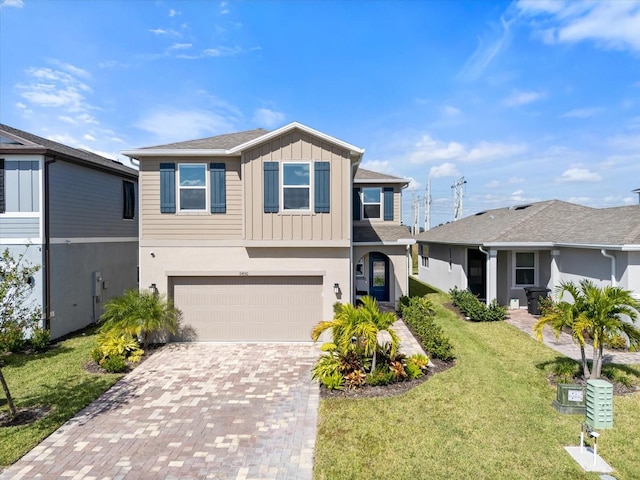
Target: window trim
[(424, 259), (515, 268), (179, 188), (309, 187), (363, 204)]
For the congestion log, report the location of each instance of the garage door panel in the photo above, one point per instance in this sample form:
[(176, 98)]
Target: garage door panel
[(249, 308)]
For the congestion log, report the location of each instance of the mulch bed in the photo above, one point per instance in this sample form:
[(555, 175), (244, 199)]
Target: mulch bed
[(25, 416)]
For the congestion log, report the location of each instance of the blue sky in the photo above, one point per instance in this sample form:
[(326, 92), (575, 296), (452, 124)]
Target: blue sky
[(528, 100)]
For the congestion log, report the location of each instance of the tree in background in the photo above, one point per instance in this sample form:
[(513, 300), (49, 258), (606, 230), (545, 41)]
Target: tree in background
[(17, 313)]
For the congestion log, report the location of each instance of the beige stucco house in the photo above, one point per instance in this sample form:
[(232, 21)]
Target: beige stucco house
[(255, 235)]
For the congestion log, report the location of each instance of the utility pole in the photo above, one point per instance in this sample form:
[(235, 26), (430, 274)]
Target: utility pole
[(458, 194), (427, 206), (416, 216)]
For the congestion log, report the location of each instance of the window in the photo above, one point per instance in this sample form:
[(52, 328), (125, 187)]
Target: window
[(128, 200), (424, 255), (371, 203), (192, 185), (450, 260), (525, 268), (296, 186)]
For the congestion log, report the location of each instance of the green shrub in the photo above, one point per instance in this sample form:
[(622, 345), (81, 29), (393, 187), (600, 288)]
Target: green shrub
[(418, 360), (96, 355), (114, 342), (617, 342), (614, 374), (413, 371), (419, 316), (565, 370), (40, 339), (381, 376), (474, 309), (334, 381), (12, 337), (114, 364)]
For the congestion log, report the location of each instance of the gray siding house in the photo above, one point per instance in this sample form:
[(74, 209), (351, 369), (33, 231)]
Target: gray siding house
[(256, 234), (76, 212), (500, 252)]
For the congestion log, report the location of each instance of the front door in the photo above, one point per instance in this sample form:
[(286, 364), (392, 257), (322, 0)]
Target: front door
[(379, 277), (477, 273)]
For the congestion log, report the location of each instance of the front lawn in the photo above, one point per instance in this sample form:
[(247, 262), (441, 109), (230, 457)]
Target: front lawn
[(490, 417), (56, 380)]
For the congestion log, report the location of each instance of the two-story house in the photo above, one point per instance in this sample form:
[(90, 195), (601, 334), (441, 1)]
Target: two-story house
[(76, 211), (255, 235)]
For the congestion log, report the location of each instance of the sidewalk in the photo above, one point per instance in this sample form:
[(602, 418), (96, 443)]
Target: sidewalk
[(564, 343)]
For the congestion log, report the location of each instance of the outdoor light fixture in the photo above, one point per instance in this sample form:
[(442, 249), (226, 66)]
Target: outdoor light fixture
[(153, 289), (336, 288)]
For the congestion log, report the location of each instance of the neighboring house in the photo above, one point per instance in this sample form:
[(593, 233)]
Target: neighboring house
[(252, 234), (498, 253), (77, 212)]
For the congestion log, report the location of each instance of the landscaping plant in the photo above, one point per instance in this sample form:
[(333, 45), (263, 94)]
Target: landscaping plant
[(598, 313), (17, 312), (476, 310), (418, 314)]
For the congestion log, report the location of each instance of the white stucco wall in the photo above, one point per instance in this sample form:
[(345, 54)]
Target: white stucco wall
[(441, 273)]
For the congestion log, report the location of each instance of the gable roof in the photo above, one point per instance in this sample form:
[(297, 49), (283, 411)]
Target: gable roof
[(549, 223), (235, 143), (369, 176), (15, 141)]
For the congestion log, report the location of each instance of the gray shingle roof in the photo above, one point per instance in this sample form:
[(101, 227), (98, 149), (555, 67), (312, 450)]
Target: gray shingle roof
[(369, 233), (552, 221), (219, 142), (31, 142), (369, 175)]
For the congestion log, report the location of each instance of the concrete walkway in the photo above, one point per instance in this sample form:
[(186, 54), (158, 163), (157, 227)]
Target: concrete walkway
[(192, 411), (564, 344)]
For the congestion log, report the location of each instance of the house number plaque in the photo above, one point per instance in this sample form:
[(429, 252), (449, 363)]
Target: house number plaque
[(244, 274)]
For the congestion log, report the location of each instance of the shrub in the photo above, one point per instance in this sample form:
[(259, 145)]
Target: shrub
[(381, 376), (40, 339), (114, 364), (334, 381), (113, 343), (473, 308), (565, 370), (12, 337), (419, 316), (617, 342), (614, 374), (413, 371), (355, 379)]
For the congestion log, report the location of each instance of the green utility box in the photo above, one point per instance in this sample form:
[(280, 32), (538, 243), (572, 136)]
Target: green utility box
[(570, 399), (599, 411)]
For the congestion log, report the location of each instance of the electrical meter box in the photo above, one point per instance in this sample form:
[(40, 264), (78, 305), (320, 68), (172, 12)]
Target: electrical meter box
[(570, 399), (599, 406)]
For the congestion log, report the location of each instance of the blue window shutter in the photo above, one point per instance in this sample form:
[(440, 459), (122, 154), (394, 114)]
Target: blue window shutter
[(2, 202), (357, 206), (388, 203), (217, 173), (322, 187), (168, 188), (271, 193)]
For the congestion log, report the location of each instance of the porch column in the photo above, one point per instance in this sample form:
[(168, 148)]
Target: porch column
[(554, 281), (492, 275)]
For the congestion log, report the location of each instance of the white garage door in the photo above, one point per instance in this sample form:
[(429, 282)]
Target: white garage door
[(249, 308)]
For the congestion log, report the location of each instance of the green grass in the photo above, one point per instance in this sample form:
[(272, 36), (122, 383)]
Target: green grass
[(489, 417), (55, 379), (419, 289)]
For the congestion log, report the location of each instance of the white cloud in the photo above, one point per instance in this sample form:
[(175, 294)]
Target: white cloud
[(162, 31), (518, 98), (450, 111), (609, 25), (486, 51), (268, 118), (429, 149), (582, 112), (445, 170), (492, 184), (579, 175), (173, 13), (221, 51), (173, 125), (180, 46), (12, 3), (514, 180), (86, 136)]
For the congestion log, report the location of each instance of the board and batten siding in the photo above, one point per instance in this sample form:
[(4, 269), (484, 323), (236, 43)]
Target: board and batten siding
[(84, 203), (302, 226), (189, 225)]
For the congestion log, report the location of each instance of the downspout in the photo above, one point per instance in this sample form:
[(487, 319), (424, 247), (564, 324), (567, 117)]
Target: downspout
[(47, 248), (613, 266)]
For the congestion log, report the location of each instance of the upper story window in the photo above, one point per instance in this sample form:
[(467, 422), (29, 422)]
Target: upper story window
[(128, 200), (192, 186), (296, 186), (525, 269), (371, 202)]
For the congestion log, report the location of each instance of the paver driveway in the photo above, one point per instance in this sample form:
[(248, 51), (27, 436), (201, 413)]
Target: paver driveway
[(192, 411)]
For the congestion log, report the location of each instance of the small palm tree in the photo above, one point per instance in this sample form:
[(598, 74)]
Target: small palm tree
[(595, 312), (357, 328), (143, 314)]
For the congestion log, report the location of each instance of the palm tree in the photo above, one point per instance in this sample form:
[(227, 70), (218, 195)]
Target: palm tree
[(596, 312), (142, 314), (357, 328)]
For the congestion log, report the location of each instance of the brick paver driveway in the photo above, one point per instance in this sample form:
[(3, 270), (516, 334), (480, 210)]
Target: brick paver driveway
[(192, 411)]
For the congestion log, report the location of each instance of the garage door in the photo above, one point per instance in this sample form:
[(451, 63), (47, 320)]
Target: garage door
[(249, 308)]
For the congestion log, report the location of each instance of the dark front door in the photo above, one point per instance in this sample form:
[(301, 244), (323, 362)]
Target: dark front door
[(477, 273), (379, 277)]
